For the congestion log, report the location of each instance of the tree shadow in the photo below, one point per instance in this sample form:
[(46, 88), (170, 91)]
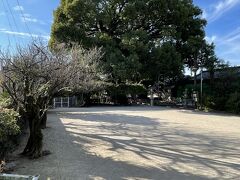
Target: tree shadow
[(120, 119), (104, 145), (213, 113), (101, 109)]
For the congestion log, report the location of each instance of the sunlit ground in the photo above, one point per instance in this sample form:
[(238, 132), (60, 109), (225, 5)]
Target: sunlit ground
[(138, 143)]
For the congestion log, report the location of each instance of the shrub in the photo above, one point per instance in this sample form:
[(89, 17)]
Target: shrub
[(119, 93), (5, 101), (233, 103), (208, 101), (8, 127)]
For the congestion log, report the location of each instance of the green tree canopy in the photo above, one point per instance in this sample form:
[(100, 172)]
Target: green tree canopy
[(130, 31)]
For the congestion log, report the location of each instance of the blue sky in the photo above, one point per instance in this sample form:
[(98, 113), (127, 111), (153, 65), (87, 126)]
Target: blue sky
[(35, 17), (223, 27)]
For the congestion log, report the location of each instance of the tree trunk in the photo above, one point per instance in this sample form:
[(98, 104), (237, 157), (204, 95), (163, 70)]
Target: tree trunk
[(23, 119), (211, 78), (44, 120), (87, 100), (195, 80), (33, 148), (43, 104)]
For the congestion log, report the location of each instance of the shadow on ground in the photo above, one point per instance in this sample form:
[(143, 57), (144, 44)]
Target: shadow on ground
[(107, 145), (150, 141)]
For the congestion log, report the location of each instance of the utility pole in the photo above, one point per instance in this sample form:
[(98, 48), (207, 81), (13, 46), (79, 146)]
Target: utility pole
[(151, 97), (201, 86)]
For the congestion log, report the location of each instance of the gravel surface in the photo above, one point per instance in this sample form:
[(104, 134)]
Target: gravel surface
[(137, 143)]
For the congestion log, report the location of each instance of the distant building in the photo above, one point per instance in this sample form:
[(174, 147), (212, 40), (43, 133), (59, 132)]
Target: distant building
[(221, 73)]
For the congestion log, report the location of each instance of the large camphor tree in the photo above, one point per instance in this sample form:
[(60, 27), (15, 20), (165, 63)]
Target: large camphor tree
[(136, 35)]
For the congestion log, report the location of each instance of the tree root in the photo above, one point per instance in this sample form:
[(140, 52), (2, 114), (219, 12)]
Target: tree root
[(46, 153), (36, 154)]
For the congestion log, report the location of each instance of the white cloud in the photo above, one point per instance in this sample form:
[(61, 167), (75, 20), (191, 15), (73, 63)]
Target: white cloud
[(5, 31), (204, 14), (26, 15), (28, 19), (232, 37), (18, 8), (218, 9), (228, 47), (211, 39)]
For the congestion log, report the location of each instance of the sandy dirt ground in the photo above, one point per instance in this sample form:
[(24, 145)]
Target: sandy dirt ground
[(137, 143)]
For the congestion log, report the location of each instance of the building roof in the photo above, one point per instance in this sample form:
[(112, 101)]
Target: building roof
[(220, 73)]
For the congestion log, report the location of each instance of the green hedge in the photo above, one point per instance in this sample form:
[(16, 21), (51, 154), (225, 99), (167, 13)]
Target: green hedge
[(233, 103), (223, 95)]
